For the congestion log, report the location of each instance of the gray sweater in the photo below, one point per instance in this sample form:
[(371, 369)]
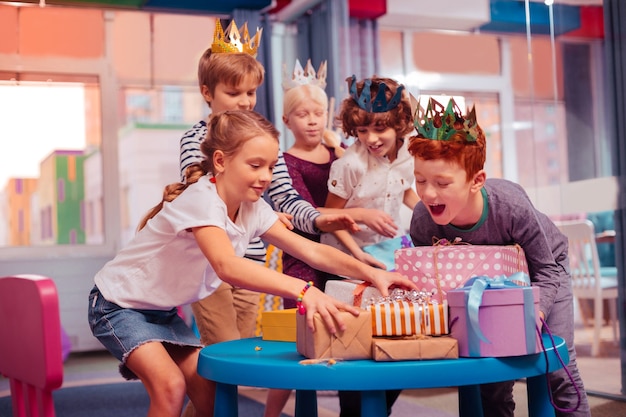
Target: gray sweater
[(510, 219)]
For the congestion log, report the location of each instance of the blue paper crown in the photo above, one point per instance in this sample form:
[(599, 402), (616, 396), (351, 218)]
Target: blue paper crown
[(379, 104)]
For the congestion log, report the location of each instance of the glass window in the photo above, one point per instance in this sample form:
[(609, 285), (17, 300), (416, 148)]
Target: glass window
[(539, 93), (47, 143)]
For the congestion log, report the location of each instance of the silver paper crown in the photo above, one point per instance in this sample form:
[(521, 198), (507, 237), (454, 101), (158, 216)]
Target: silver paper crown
[(303, 76)]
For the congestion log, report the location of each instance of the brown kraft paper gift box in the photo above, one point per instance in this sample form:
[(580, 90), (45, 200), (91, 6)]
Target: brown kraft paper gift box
[(353, 343), (416, 347)]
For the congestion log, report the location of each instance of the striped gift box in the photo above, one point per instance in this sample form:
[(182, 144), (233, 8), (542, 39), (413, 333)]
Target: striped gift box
[(403, 318)]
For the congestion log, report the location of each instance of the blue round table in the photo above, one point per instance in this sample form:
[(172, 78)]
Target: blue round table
[(260, 363)]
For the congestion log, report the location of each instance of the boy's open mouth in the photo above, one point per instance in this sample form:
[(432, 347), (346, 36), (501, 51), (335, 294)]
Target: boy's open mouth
[(437, 209)]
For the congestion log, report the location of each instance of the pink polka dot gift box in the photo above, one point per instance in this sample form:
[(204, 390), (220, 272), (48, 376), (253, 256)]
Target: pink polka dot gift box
[(442, 268)]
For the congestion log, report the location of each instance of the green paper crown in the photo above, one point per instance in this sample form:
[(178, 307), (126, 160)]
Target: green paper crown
[(378, 104), (438, 123)]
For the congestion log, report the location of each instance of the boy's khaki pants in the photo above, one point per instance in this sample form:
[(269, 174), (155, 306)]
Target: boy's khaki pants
[(228, 314)]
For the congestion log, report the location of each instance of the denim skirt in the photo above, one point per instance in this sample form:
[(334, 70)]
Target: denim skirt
[(121, 330)]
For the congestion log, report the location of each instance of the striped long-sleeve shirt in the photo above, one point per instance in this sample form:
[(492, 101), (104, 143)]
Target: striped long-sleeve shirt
[(281, 192)]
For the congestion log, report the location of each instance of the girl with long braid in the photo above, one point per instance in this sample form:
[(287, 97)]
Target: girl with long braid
[(195, 238)]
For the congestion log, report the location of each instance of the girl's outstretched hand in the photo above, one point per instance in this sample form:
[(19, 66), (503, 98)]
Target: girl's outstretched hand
[(383, 280), (315, 301)]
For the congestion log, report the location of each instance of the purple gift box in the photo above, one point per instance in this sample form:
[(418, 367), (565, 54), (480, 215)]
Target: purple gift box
[(507, 320)]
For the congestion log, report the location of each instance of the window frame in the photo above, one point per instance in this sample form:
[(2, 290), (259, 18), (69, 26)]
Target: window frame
[(100, 69)]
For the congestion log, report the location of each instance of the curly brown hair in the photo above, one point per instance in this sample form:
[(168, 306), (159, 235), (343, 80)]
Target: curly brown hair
[(399, 118)]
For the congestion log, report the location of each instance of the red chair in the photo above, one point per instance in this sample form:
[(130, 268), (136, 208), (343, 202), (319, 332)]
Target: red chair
[(30, 343)]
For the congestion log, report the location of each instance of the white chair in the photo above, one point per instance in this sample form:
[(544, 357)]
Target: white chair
[(589, 279)]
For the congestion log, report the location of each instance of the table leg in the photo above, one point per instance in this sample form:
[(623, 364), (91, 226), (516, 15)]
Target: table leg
[(306, 403), (539, 404), (373, 404), (226, 401), (470, 404)]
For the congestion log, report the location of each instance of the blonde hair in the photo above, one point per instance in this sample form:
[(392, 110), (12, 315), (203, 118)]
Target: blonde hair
[(230, 69), (305, 92), (227, 132)]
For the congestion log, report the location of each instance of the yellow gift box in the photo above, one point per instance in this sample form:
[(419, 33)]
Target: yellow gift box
[(279, 325), (403, 318)]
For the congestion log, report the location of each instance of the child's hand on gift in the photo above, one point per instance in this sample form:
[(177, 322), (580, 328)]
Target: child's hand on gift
[(315, 301), (383, 280)]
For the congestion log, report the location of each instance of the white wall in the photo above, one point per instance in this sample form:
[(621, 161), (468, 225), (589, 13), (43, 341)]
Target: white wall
[(149, 160), (587, 196)]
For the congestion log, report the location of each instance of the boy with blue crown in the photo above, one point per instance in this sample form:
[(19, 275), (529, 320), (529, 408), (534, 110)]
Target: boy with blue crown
[(457, 201), (375, 173)]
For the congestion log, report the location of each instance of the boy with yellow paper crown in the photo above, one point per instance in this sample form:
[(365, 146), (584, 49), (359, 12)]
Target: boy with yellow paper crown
[(228, 76), (457, 200)]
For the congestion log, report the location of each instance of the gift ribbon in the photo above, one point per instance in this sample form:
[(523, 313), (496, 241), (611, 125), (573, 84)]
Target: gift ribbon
[(473, 300), (357, 293), (445, 242), (439, 243), (520, 257)]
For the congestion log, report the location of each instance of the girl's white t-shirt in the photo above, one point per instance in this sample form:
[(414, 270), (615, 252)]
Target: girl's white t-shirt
[(373, 182), (162, 266)]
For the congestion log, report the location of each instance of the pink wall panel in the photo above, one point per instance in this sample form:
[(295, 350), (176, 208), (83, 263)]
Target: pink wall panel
[(8, 30), (541, 56), (390, 53), (451, 53), (131, 46), (66, 32), (179, 41)]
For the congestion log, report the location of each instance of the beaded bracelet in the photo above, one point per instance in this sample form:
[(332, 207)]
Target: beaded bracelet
[(299, 305)]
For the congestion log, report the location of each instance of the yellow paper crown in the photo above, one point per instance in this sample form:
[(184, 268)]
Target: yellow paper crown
[(306, 75), (231, 41)]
